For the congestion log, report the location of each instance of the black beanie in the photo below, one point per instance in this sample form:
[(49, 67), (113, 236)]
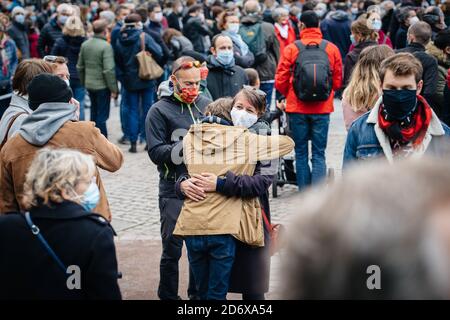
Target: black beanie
[(47, 87)]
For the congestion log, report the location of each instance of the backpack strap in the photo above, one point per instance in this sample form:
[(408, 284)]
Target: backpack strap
[(300, 45), (323, 44)]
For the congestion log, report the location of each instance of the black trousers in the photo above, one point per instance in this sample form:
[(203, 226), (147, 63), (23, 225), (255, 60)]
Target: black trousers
[(172, 246)]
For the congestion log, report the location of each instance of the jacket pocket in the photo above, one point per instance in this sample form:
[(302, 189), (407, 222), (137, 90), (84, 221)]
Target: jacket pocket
[(368, 151)]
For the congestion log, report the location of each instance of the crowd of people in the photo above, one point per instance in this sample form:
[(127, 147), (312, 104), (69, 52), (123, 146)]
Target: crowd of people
[(227, 70)]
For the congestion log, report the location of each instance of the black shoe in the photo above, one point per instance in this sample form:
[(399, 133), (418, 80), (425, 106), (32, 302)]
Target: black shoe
[(133, 148), (124, 140)]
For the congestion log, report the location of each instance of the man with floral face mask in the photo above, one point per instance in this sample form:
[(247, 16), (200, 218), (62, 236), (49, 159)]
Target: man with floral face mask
[(225, 78), (166, 124), (401, 124), (53, 29)]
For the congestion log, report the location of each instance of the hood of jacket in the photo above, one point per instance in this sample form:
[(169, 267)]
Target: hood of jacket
[(38, 128), (311, 33), (129, 36), (213, 138), (339, 15), (250, 19), (17, 105)]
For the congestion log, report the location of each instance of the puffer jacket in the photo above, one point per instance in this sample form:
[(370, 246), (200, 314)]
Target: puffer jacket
[(49, 34), (284, 76), (218, 214), (127, 66)]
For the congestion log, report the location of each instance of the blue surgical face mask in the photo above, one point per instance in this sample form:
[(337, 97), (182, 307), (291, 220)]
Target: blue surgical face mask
[(376, 25), (352, 39), (225, 57), (90, 197), (62, 19), (233, 28), (20, 18)]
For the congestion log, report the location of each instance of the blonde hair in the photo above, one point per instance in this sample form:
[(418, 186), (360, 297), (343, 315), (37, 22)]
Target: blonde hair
[(364, 86), (74, 27), (53, 171)]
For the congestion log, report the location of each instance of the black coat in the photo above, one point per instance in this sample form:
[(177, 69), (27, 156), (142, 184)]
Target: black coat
[(195, 31), (166, 124), (49, 34), (19, 34), (430, 70), (69, 47), (173, 21), (78, 237), (225, 82), (352, 58)]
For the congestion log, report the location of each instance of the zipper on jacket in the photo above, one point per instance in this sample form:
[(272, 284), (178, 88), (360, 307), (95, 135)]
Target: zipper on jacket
[(314, 75)]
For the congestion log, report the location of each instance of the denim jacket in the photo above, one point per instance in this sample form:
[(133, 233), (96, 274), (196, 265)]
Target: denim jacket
[(366, 140)]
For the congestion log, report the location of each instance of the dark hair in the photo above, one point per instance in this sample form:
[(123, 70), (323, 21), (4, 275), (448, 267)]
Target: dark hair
[(254, 98), (133, 18), (195, 8), (252, 76), (120, 8), (26, 71), (310, 19), (442, 39), (308, 6), (152, 5), (401, 65), (143, 12)]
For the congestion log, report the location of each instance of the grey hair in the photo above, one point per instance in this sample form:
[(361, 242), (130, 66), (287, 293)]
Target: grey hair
[(278, 12), (375, 215)]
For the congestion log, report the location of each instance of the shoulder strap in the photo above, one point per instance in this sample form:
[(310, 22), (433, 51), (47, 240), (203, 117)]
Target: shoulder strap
[(266, 220), (323, 44), (299, 45), (35, 230), (142, 41), (11, 122)]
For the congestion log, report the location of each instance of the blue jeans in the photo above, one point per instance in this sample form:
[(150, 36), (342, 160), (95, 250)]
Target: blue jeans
[(211, 259), (268, 89), (100, 101), (79, 93), (123, 114), (312, 127), (137, 104)]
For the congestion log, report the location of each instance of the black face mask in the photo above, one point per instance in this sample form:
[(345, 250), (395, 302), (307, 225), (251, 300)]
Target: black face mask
[(399, 105)]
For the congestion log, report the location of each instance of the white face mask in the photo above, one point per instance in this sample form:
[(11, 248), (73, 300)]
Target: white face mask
[(158, 16), (67, 82), (240, 117)]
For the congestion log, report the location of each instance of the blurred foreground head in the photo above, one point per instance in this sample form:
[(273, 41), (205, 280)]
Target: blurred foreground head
[(393, 217)]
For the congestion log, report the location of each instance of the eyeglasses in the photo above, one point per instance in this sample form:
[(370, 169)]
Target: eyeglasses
[(257, 91), (55, 59), (189, 65)]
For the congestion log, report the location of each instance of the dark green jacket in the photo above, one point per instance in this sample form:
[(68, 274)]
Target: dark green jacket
[(96, 65)]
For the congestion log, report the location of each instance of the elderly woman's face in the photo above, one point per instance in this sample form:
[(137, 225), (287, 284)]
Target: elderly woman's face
[(283, 19), (243, 104)]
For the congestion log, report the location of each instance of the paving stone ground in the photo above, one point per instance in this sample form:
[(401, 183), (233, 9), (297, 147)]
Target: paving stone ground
[(133, 196)]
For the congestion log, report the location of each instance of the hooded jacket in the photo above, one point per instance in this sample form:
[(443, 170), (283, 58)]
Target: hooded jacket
[(336, 29), (52, 125), (216, 148), (127, 47), (284, 76), (18, 104), (166, 124)]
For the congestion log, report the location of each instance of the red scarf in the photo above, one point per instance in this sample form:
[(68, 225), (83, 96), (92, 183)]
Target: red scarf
[(416, 131)]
